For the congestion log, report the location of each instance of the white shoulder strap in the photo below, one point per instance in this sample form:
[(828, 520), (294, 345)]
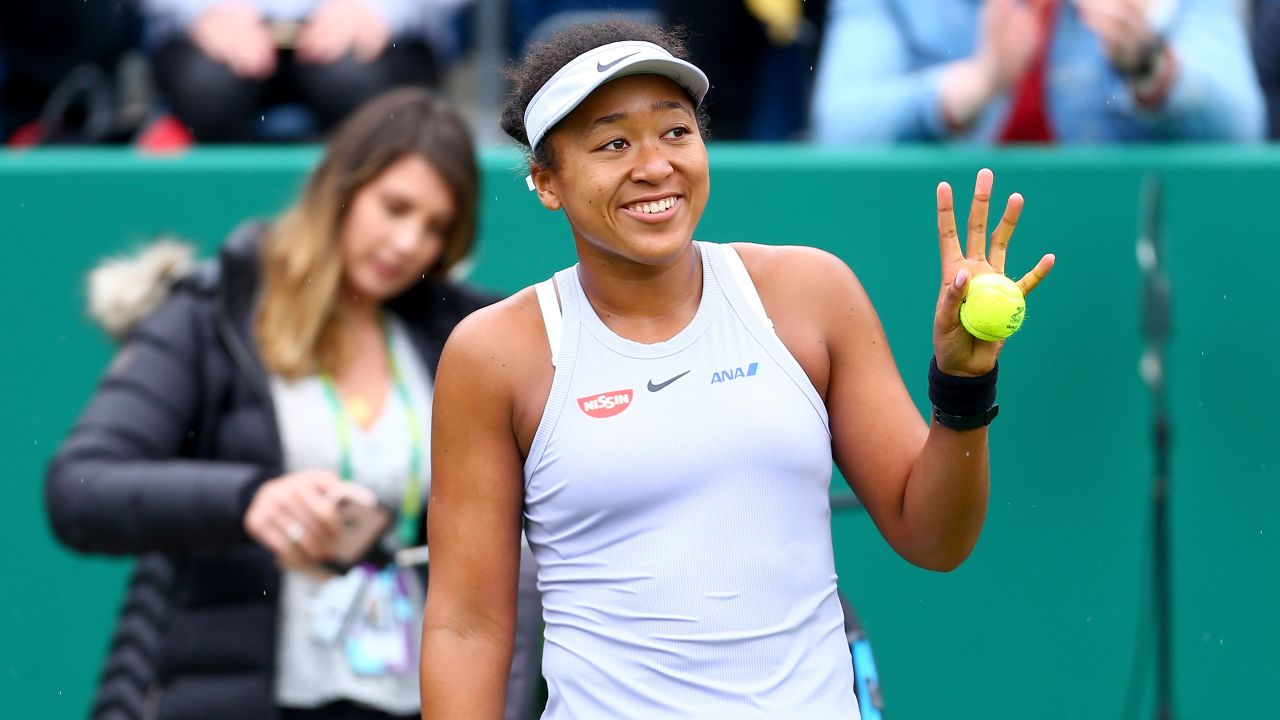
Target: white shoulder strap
[(742, 279), (551, 316)]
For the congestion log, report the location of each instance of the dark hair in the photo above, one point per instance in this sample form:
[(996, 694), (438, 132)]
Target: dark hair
[(544, 59)]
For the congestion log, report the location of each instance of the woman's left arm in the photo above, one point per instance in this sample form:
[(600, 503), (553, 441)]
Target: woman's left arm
[(124, 480), (925, 487)]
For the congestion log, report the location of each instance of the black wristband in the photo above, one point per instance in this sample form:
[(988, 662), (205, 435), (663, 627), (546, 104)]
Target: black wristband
[(962, 396), (966, 422)]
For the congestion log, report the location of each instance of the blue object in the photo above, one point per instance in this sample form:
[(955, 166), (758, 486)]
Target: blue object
[(866, 681), (882, 65), (287, 122)]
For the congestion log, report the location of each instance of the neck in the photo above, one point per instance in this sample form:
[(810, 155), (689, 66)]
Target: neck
[(642, 302), (359, 309), (356, 305)]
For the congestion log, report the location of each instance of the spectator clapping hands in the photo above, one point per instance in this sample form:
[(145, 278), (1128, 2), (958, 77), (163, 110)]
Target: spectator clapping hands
[(1009, 36), (1123, 28)]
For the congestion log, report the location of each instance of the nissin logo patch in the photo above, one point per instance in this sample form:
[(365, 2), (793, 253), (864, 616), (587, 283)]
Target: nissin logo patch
[(734, 373), (605, 404)]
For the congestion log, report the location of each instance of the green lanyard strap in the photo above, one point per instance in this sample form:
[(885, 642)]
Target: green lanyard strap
[(410, 506)]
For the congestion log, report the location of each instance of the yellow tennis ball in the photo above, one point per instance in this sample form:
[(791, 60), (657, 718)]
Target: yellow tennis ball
[(993, 307)]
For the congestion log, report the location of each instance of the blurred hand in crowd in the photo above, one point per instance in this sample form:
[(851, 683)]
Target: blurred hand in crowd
[(1009, 36), (1123, 28), (339, 27), (234, 33), (296, 517)]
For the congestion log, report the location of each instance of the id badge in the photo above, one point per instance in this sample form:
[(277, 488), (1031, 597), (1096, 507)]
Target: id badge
[(380, 641), (335, 604)]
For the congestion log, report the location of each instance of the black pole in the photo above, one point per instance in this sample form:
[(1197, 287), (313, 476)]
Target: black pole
[(1156, 323), (1163, 613)]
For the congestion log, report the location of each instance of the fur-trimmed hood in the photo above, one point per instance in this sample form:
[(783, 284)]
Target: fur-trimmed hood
[(123, 290)]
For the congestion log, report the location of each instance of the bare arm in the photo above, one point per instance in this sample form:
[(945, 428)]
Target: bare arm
[(926, 491), (474, 520), (924, 486)]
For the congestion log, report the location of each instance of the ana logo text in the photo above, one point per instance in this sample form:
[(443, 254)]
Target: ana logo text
[(605, 404), (734, 373)]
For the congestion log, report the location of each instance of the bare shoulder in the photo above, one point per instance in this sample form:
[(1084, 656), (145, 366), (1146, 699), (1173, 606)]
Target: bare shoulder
[(814, 301), (797, 274), (497, 363), (507, 327), (498, 342)]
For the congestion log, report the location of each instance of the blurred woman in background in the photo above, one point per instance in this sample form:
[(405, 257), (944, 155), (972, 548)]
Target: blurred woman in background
[(271, 394)]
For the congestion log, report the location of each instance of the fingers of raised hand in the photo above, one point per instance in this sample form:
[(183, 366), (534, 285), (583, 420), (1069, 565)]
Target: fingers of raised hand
[(1038, 273), (948, 239), (947, 317), (1004, 232), (978, 211)]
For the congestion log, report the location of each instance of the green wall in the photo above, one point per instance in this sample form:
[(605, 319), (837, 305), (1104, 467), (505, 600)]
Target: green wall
[(1043, 618)]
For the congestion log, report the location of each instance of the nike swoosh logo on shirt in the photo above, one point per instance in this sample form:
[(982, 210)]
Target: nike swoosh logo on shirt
[(659, 386), (601, 67)]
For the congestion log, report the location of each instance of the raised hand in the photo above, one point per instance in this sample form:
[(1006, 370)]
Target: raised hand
[(1009, 36), (957, 352)]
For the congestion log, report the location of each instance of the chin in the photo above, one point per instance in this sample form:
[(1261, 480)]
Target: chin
[(656, 248), (379, 290), (670, 248)]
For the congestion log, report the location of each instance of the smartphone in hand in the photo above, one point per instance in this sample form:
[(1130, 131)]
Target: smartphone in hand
[(363, 522)]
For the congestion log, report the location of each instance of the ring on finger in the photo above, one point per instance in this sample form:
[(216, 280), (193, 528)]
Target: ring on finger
[(294, 532)]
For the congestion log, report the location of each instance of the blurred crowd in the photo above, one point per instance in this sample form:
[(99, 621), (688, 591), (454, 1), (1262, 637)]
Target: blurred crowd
[(169, 73)]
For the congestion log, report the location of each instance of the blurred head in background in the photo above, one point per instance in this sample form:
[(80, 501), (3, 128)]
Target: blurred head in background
[(392, 204)]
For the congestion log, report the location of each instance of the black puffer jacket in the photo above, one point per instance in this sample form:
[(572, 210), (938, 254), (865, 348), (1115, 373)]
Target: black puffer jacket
[(1266, 56), (163, 464)]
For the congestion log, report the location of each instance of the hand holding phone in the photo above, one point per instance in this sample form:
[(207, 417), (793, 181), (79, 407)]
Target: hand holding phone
[(314, 521), (363, 522)]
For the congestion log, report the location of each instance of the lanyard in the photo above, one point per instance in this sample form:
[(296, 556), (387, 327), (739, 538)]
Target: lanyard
[(410, 507)]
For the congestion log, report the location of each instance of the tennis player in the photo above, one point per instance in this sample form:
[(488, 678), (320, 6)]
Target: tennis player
[(661, 421)]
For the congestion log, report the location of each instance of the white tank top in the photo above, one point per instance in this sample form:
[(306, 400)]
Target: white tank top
[(676, 499)]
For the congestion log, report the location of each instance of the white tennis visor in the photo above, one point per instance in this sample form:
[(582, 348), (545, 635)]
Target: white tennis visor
[(582, 75)]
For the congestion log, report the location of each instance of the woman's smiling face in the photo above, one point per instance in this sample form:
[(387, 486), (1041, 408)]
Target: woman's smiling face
[(630, 170)]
